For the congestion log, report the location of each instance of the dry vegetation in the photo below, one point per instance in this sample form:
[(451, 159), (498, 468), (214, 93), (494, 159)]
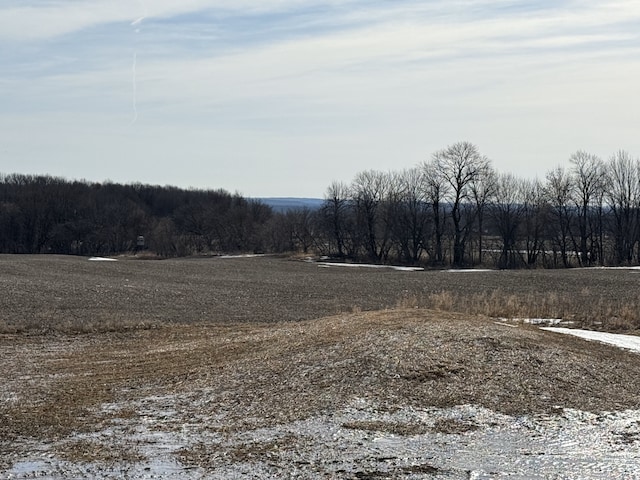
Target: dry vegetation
[(264, 375), (235, 345)]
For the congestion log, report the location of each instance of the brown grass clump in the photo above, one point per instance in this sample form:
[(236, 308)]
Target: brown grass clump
[(602, 314)]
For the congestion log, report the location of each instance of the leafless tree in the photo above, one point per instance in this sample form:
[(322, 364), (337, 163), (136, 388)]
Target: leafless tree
[(536, 213), (436, 190), (301, 223), (411, 214), (559, 191), (335, 212), (588, 178), (508, 212), (623, 199), (483, 188), (370, 189), (460, 165)]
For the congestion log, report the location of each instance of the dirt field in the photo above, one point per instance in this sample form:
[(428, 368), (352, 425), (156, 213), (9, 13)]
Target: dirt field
[(269, 368), (69, 294)]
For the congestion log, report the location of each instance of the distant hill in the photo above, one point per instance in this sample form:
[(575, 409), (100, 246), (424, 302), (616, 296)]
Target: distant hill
[(282, 204)]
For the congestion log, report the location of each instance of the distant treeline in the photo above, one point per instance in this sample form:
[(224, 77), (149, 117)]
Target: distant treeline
[(44, 214), (455, 209), (452, 210)]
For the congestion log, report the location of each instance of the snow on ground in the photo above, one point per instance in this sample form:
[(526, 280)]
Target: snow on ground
[(246, 255), (534, 321), (369, 265), (468, 270), (628, 342), (635, 267), (102, 259), (363, 441)]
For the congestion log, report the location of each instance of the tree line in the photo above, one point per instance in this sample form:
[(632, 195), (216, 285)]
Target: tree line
[(45, 214), (454, 209)]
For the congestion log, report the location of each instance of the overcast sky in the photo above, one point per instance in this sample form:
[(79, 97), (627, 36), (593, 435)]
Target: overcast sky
[(280, 97)]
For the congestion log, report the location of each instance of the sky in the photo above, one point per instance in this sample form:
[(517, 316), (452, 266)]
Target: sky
[(277, 98)]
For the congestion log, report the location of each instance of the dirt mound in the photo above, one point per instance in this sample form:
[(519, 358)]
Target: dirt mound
[(67, 395), (265, 374)]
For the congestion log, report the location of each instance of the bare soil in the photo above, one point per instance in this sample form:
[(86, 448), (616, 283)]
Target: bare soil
[(233, 346), (46, 293)]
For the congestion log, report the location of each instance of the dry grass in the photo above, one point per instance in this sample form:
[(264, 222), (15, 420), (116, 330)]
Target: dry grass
[(601, 313)]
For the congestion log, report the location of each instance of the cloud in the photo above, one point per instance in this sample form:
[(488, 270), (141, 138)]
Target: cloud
[(33, 21), (348, 85), (351, 72)]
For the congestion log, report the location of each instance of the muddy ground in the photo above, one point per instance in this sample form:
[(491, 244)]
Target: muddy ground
[(260, 368)]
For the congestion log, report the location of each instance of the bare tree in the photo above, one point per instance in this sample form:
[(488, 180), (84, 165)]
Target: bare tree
[(335, 211), (370, 189), (508, 212), (436, 190), (535, 220), (483, 188), (623, 199), (301, 224), (411, 214), (559, 190), (588, 177), (460, 165)]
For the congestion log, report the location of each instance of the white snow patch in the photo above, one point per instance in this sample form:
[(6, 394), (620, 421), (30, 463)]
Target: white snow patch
[(635, 267), (246, 255), (628, 342), (370, 265), (512, 322), (102, 259), (536, 321), (541, 321), (468, 270)]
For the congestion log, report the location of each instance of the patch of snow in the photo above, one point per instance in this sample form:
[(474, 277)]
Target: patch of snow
[(540, 321), (628, 342), (635, 267), (468, 270), (102, 259), (246, 255), (511, 322), (535, 321), (406, 269), (370, 265)]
